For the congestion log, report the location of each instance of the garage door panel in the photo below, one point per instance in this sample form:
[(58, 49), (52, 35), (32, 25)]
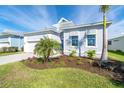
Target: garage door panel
[(4, 44), (29, 47)]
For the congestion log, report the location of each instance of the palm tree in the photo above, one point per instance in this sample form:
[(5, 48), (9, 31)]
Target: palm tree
[(46, 47), (104, 58)]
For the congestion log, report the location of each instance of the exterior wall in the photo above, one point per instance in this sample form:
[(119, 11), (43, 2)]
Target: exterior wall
[(117, 44), (4, 41), (82, 44), (11, 41), (30, 41), (17, 41)]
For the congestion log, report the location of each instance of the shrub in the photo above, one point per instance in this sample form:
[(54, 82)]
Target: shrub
[(73, 53), (13, 49), (79, 63), (8, 49), (119, 51), (3, 49), (91, 61), (91, 53)]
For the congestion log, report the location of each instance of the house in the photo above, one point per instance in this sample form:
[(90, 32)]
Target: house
[(11, 39), (80, 38), (116, 43)]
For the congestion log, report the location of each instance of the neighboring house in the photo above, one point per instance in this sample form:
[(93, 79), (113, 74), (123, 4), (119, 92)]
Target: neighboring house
[(11, 39), (116, 43), (72, 37)]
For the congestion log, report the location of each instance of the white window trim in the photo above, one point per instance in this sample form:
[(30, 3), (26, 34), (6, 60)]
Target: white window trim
[(96, 45), (77, 39)]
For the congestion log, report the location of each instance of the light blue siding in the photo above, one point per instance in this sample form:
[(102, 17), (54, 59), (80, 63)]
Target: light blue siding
[(17, 41)]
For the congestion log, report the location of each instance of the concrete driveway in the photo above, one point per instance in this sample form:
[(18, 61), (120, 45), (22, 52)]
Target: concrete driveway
[(14, 58)]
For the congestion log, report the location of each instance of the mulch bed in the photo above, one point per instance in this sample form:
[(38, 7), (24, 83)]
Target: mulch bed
[(90, 65)]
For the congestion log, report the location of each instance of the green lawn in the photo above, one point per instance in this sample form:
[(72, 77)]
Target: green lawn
[(116, 55), (10, 53), (18, 75)]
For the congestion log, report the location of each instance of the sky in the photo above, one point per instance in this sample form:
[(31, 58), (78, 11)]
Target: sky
[(32, 18)]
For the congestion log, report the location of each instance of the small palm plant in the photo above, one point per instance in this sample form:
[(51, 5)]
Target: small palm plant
[(46, 47)]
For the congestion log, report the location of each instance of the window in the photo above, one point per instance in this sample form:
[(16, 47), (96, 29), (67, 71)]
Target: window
[(74, 40), (109, 42), (91, 40)]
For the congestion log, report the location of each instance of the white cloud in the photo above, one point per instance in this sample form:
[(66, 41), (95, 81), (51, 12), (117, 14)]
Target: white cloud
[(114, 12), (88, 14), (45, 15), (36, 18), (116, 29)]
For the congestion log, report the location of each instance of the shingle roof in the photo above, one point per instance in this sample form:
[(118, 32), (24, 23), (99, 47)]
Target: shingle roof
[(61, 28), (86, 25), (53, 29), (117, 37), (9, 32)]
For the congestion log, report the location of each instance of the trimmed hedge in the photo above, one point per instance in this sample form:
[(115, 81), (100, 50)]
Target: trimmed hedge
[(8, 49)]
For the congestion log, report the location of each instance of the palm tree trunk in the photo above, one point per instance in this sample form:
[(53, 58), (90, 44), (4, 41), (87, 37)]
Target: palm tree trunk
[(104, 48), (47, 58)]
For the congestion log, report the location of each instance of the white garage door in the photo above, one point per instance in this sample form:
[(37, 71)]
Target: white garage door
[(29, 47), (4, 44)]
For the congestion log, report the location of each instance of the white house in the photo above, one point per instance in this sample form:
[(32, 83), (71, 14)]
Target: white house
[(81, 38), (116, 43), (11, 39)]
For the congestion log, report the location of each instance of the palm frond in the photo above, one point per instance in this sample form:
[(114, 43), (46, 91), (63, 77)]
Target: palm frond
[(46, 47), (104, 8)]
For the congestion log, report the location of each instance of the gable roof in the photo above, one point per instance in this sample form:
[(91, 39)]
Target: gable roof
[(62, 23), (63, 20)]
